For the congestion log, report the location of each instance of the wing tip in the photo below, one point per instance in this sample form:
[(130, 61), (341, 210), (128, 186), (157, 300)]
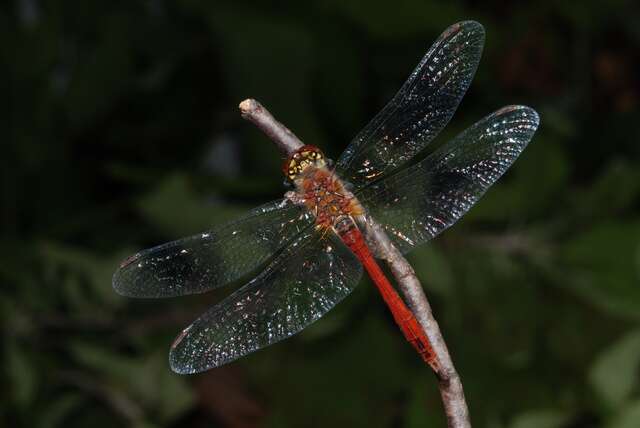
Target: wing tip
[(526, 111), (176, 355), (472, 23), (181, 370), (126, 286), (178, 368), (116, 283), (470, 26)]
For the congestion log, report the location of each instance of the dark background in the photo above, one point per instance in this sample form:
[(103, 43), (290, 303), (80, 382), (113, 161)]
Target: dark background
[(120, 130)]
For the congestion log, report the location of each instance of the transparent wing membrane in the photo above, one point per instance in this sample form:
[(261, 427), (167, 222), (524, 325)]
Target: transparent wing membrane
[(212, 259), (296, 289), (309, 269), (419, 111), (418, 203)]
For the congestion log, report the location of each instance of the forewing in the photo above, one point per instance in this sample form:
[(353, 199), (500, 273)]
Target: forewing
[(212, 259), (420, 202), (297, 288), (420, 110)]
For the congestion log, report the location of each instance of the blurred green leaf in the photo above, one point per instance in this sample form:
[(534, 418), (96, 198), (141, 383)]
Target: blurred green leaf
[(544, 418), (433, 269), (15, 318), (600, 201), (627, 417), (163, 393), (558, 121), (54, 413), (422, 410), (176, 210), (145, 425), (602, 265), (22, 373), (614, 375), (78, 267)]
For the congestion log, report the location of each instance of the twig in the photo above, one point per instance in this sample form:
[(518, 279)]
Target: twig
[(449, 383), (253, 111), (120, 403)]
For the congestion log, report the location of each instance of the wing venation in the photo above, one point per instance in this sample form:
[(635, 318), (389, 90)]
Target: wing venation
[(419, 202), (212, 259)]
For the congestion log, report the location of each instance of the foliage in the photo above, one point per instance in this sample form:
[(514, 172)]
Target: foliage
[(123, 133)]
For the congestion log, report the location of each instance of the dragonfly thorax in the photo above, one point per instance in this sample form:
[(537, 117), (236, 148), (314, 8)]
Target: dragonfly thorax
[(324, 195)]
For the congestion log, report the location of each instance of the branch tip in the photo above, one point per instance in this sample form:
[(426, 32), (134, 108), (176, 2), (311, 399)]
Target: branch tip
[(249, 106), (255, 113)]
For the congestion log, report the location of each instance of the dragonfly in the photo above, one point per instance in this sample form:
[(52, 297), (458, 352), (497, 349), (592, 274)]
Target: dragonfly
[(309, 249)]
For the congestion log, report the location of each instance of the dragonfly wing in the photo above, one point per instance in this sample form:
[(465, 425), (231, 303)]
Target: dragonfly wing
[(418, 203), (420, 110), (212, 259), (304, 282)]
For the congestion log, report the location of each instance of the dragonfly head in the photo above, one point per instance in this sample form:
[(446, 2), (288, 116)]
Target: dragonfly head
[(301, 159)]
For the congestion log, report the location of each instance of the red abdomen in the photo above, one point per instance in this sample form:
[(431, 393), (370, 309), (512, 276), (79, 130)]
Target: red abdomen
[(405, 319)]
